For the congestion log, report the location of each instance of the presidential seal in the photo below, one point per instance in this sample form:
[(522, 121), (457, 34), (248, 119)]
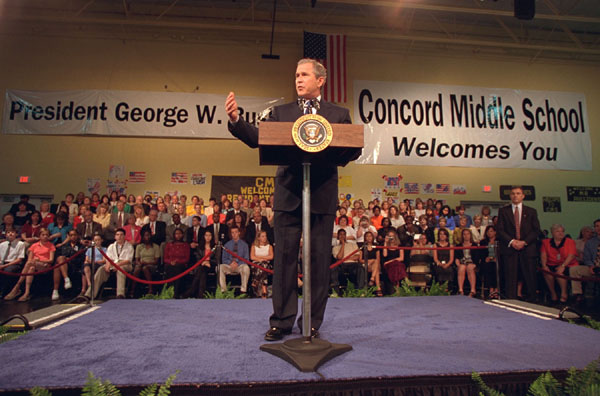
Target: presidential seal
[(312, 133)]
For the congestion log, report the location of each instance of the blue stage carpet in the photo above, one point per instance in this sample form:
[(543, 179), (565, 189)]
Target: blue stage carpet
[(137, 342)]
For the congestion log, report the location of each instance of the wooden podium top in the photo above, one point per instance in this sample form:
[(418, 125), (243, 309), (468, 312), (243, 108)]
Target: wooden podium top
[(277, 146), (280, 134)]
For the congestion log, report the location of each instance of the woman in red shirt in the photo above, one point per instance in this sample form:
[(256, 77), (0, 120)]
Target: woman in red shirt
[(30, 232), (176, 258), (557, 255), (41, 256)]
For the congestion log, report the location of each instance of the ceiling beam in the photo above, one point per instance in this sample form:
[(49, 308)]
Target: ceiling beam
[(460, 10), (293, 28)]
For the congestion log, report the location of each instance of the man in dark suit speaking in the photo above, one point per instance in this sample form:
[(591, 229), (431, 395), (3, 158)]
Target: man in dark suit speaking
[(310, 78), (518, 232)]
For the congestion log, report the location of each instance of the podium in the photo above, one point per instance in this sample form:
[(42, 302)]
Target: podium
[(277, 147)]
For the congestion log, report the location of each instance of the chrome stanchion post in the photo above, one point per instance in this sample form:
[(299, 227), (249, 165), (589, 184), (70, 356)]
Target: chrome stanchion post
[(497, 268), (306, 259), (365, 264), (92, 272)]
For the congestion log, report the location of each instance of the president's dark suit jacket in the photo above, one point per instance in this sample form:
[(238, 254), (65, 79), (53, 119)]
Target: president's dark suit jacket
[(530, 230), (288, 179)]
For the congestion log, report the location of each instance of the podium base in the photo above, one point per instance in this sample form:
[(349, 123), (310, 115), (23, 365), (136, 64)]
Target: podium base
[(306, 354)]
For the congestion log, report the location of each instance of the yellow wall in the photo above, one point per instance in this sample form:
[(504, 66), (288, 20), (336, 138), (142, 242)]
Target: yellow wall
[(61, 164)]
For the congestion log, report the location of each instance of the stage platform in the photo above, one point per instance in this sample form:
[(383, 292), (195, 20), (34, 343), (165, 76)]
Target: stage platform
[(409, 345)]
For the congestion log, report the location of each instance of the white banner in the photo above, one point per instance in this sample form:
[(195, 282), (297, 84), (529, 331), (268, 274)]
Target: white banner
[(124, 113), (441, 125)]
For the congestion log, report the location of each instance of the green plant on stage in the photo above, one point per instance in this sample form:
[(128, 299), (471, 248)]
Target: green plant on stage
[(584, 382), (588, 322), (96, 387), (228, 294), (407, 290), (353, 292), (5, 335), (167, 293)]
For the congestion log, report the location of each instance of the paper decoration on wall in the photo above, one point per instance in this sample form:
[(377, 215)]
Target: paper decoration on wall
[(198, 179), (116, 172), (442, 188), (179, 177), (93, 185), (344, 197), (153, 193), (172, 193), (551, 204), (392, 182), (394, 194), (120, 186), (411, 188), (137, 177), (428, 188), (345, 181), (459, 189), (375, 193), (116, 179)]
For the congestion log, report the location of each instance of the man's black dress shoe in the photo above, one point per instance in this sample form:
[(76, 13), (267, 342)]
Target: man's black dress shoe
[(276, 334), (314, 333)]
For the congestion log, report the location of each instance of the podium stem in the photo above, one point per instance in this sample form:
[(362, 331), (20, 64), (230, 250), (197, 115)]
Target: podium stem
[(306, 289)]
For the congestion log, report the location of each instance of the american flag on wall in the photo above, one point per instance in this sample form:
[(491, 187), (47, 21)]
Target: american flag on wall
[(179, 177), (330, 50), (137, 177)]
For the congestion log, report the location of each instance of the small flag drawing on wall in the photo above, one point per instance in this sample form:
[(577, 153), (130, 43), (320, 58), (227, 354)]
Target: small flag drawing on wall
[(137, 177), (179, 178)]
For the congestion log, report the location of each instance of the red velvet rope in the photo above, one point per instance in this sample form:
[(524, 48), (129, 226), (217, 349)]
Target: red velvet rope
[(586, 279), (46, 269), (429, 248), (161, 282), (332, 266)]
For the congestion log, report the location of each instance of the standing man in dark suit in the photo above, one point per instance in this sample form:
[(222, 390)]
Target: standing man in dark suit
[(310, 78), (518, 232)]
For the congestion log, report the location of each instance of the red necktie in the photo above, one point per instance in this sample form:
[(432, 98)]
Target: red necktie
[(120, 223), (517, 224), (153, 228), (195, 235)]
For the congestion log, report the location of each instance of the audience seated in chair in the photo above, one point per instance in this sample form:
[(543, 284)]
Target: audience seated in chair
[(200, 249), (98, 261), (12, 256), (232, 265), (133, 232), (466, 260), (372, 256), (157, 228), (88, 228), (176, 258), (557, 255), (147, 256), (419, 266), (261, 253), (258, 223), (175, 225), (65, 252), (118, 219), (30, 233), (489, 260), (348, 251), (121, 253), (444, 259), (393, 259), (40, 257)]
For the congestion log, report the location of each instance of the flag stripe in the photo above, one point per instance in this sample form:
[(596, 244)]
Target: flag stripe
[(330, 50)]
